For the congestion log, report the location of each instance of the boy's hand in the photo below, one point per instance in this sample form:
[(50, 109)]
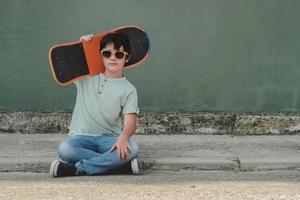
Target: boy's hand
[(87, 38), (122, 147)]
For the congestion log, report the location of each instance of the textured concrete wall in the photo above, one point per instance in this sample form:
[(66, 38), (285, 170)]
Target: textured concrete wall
[(163, 123)]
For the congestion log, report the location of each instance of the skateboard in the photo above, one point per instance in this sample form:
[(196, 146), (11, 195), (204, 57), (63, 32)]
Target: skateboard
[(75, 60)]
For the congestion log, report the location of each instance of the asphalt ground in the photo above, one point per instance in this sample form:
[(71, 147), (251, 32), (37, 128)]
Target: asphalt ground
[(155, 184)]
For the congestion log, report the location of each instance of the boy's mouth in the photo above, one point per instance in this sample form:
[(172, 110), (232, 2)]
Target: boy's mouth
[(113, 64)]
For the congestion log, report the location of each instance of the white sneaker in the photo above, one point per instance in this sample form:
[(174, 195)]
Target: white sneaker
[(60, 169), (131, 167), (135, 166)]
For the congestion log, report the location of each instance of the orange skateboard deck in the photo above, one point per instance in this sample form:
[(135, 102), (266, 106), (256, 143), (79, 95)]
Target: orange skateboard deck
[(73, 61)]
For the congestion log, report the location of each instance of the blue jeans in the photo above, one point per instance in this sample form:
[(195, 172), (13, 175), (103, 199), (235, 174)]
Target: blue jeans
[(91, 154)]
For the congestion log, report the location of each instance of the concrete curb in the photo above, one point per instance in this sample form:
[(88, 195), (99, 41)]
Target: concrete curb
[(43, 167), (34, 153)]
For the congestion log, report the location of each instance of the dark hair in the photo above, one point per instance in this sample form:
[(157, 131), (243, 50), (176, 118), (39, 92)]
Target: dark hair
[(118, 39)]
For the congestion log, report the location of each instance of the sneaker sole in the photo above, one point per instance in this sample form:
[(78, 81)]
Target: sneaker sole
[(134, 166), (53, 168)]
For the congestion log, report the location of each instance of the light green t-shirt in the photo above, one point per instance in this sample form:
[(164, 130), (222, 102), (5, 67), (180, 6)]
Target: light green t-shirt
[(100, 104)]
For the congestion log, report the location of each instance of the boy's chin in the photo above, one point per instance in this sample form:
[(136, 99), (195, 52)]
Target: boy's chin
[(114, 70)]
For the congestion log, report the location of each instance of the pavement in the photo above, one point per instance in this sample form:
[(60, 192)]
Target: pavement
[(169, 185), (35, 152)]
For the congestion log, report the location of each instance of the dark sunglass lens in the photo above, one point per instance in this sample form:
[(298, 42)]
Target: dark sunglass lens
[(119, 54), (106, 54)]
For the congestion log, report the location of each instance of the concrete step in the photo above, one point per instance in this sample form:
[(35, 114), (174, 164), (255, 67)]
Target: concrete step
[(35, 152)]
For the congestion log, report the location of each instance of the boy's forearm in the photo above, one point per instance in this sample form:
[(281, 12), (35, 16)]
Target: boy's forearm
[(129, 125), (128, 132)]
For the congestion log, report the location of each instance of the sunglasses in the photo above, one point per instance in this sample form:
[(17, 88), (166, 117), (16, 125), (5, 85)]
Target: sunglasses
[(118, 54)]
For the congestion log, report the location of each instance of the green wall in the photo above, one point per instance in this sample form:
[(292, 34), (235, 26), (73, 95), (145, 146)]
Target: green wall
[(207, 55)]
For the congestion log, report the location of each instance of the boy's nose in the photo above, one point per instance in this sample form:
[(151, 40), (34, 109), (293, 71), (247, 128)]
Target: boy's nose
[(113, 56)]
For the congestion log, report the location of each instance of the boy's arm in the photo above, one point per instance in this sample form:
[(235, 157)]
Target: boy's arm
[(122, 144)]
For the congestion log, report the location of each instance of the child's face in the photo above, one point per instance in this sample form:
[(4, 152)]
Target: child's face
[(112, 58)]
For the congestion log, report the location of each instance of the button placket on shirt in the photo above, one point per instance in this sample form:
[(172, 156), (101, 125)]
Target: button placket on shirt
[(102, 84)]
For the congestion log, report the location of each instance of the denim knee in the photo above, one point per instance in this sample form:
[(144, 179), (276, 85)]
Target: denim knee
[(67, 152)]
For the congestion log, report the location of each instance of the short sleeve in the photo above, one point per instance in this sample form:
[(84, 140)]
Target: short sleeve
[(131, 103), (78, 82)]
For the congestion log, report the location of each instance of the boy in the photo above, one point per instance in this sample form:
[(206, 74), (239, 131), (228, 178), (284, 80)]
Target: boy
[(97, 144)]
